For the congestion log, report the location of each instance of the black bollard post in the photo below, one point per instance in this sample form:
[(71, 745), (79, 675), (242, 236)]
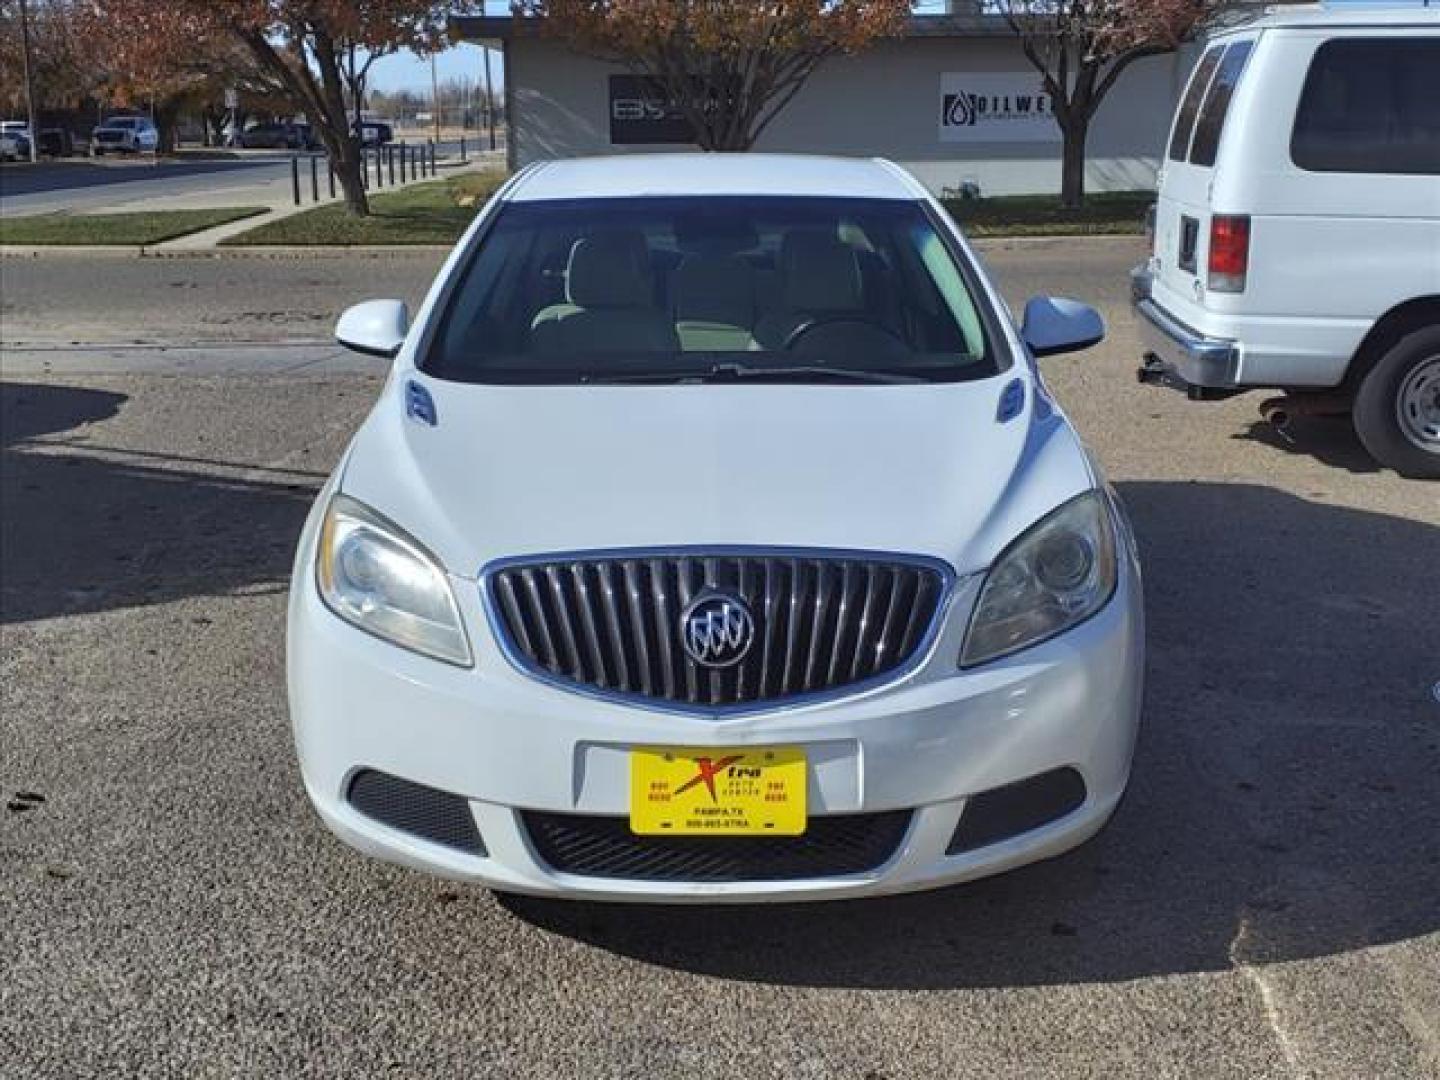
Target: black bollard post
[(314, 178), (404, 156), (462, 149), (295, 177), (390, 163), (330, 173)]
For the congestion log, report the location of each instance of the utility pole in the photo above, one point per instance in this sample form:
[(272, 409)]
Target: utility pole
[(359, 98), (29, 82), (489, 97), (435, 97)]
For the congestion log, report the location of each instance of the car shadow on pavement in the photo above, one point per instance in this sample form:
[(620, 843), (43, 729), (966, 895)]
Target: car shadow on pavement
[(1330, 440), (1283, 803), (85, 530)]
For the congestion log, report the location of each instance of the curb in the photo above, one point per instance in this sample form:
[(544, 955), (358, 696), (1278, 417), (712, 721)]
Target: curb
[(1051, 238), (336, 251), (255, 251)]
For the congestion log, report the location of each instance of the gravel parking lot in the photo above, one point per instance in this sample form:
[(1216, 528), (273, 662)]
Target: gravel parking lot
[(1266, 902)]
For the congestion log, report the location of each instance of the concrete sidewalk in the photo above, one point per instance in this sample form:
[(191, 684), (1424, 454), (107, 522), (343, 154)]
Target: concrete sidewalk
[(285, 207)]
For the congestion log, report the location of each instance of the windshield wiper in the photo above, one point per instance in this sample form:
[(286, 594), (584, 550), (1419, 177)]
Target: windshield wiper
[(744, 371), (729, 371)]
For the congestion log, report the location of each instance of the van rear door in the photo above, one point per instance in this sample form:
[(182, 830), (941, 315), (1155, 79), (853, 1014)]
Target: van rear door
[(1183, 210)]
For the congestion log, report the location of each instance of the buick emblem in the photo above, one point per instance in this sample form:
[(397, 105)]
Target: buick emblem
[(717, 630)]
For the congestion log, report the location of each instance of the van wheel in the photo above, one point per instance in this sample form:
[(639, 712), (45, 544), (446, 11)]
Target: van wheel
[(1397, 411)]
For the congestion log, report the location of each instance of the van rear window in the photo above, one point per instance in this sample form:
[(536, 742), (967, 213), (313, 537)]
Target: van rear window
[(1211, 124), (1370, 105), (1190, 106)]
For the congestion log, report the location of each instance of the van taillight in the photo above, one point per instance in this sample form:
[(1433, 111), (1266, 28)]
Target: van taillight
[(1229, 252)]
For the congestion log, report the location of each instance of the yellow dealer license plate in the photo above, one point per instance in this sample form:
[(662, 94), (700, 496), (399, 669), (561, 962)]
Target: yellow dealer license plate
[(715, 792)]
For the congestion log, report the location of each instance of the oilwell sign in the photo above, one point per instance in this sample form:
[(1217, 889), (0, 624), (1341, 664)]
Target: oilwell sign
[(995, 107)]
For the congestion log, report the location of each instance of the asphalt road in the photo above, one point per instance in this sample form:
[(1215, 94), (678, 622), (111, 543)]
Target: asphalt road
[(81, 184), (1263, 905)]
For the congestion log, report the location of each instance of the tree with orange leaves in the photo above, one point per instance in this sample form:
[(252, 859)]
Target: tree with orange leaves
[(728, 66), (1080, 47), (302, 47)]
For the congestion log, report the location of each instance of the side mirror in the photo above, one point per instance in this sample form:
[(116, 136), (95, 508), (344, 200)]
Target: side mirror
[(375, 328), (1053, 325)]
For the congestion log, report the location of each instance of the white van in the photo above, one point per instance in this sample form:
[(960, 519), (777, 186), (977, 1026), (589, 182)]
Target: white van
[(1297, 233)]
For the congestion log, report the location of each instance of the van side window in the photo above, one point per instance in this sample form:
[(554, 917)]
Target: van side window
[(1217, 103), (1190, 106), (1370, 105)]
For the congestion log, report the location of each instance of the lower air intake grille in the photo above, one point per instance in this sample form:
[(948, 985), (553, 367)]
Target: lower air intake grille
[(604, 847), (1003, 812), (437, 816)]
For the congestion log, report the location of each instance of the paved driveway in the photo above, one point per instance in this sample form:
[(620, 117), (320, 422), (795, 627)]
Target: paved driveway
[(1264, 904), (257, 178)]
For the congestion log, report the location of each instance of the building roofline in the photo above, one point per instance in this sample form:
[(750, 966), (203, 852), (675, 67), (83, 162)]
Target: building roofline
[(509, 27)]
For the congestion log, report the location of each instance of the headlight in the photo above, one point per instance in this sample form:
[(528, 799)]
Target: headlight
[(375, 576), (1058, 574)]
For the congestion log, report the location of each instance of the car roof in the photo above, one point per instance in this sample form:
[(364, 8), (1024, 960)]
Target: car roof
[(1337, 16), (634, 175)]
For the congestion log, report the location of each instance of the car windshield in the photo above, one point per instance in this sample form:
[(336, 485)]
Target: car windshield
[(713, 289)]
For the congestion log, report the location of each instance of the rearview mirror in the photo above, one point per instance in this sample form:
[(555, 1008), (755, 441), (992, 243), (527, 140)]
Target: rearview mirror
[(1053, 324), (375, 328)]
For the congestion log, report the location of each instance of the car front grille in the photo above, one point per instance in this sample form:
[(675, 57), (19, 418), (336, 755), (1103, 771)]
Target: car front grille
[(604, 847), (820, 622)]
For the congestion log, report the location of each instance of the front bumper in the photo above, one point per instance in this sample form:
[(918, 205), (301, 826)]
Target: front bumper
[(509, 744), (1198, 360)]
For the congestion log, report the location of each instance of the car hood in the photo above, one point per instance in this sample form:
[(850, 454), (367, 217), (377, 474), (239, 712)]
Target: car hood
[(513, 471)]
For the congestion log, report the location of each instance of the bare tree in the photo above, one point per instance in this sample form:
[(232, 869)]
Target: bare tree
[(1080, 48)]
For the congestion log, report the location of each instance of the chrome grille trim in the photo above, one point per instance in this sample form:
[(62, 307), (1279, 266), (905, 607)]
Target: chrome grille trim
[(606, 623)]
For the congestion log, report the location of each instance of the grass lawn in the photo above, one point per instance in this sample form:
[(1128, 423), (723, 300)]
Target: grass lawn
[(142, 227), (1114, 213), (431, 213), (438, 212)]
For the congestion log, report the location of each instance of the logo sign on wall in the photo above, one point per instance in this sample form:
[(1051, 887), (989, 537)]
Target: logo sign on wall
[(640, 112), (995, 107)]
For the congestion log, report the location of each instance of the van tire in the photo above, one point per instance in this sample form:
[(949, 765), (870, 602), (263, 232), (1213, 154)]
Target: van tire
[(1375, 414)]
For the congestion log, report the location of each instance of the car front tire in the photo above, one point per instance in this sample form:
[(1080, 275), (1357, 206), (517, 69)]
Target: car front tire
[(1397, 409)]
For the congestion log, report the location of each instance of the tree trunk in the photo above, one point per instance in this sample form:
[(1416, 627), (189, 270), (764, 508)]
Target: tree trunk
[(349, 165), (166, 116), (1072, 162)]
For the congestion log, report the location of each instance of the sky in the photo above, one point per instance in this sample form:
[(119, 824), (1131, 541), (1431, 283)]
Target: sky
[(406, 71)]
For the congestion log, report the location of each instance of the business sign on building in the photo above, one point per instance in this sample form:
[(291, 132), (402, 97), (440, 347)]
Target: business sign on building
[(641, 112), (996, 107)]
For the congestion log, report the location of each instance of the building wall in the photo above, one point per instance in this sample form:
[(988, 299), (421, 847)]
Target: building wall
[(885, 102)]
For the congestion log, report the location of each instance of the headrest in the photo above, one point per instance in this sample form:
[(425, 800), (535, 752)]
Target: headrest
[(609, 269), (819, 272), (715, 233), (714, 288)]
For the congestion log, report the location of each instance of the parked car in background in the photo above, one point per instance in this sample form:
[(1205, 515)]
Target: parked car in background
[(374, 133), (1297, 233), (278, 136), (16, 136), (850, 612), (125, 135), (56, 141)]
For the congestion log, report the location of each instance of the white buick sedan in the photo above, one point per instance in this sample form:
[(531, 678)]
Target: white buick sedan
[(715, 538)]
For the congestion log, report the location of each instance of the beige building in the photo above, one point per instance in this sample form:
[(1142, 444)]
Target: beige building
[(954, 101)]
